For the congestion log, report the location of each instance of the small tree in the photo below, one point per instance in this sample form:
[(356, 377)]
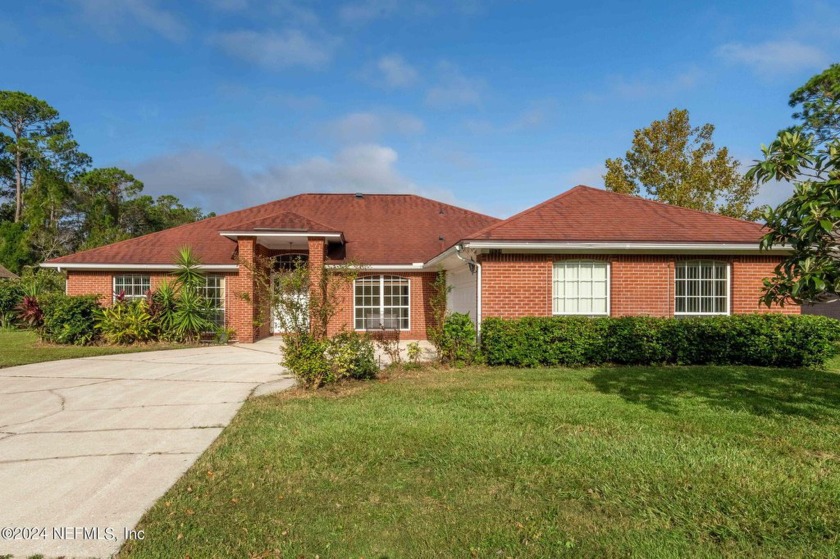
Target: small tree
[(673, 162), (808, 222), (807, 155)]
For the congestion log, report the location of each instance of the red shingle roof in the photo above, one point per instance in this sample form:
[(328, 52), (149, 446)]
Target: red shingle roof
[(377, 228), (283, 221), (586, 214)]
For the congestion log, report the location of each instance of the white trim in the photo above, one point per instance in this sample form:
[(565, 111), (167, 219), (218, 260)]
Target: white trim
[(417, 266), (382, 301), (258, 233), (714, 248), (728, 289), (607, 287), (136, 267)]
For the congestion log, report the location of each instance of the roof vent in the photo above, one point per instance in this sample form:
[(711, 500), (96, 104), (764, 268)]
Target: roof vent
[(441, 238), (359, 195)]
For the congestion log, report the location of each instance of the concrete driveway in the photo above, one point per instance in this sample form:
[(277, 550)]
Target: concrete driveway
[(88, 445)]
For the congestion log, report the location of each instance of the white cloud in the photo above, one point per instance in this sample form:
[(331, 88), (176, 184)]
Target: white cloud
[(395, 72), (206, 178), (454, 89), (289, 10), (197, 177), (370, 126), (113, 17), (642, 87), (774, 58), (359, 168), (277, 50), (535, 116)]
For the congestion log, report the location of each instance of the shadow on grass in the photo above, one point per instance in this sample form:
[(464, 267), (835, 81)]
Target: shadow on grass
[(810, 394)]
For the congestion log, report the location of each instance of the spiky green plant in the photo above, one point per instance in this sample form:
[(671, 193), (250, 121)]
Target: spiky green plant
[(188, 272)]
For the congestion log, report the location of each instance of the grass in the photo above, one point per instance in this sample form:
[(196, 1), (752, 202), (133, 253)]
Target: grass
[(22, 347), (604, 462)]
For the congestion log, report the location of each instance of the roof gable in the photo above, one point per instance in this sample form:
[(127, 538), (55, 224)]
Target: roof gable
[(586, 214), (377, 228)]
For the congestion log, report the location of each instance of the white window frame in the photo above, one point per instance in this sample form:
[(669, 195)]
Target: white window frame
[(115, 293), (223, 292), (701, 261), (557, 263), (381, 278)]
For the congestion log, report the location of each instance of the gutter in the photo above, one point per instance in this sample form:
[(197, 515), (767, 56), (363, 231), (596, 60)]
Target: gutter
[(620, 246), (417, 266), (60, 266)]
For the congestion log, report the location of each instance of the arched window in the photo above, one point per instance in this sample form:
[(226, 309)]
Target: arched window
[(701, 287), (382, 301), (581, 287)]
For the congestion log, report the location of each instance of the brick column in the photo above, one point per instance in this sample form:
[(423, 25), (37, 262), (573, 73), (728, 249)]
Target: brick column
[(242, 315), (317, 256)]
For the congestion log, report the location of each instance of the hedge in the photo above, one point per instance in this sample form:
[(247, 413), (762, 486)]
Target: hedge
[(754, 339), (69, 320)]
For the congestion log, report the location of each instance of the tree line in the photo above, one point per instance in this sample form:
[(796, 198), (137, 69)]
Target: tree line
[(54, 202)]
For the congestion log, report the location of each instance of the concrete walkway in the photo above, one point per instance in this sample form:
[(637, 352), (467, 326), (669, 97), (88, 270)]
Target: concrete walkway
[(90, 444)]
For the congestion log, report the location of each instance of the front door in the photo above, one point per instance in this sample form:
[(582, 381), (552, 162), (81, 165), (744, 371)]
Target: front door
[(280, 315)]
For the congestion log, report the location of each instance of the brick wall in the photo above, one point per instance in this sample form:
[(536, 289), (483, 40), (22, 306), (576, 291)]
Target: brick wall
[(641, 285), (517, 285), (750, 271), (242, 311)]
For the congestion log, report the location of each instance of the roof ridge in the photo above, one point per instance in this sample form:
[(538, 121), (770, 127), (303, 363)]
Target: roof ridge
[(296, 214), (526, 211), (666, 204)]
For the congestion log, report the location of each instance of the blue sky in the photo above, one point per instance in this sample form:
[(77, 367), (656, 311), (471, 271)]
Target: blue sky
[(492, 104)]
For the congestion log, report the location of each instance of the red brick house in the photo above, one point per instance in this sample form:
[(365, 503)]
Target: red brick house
[(586, 251)]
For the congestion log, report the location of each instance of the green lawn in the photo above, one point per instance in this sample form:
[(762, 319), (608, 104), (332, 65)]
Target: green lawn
[(606, 462), (21, 347)]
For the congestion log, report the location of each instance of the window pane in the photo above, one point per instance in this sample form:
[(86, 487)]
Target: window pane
[(579, 287), (700, 287)]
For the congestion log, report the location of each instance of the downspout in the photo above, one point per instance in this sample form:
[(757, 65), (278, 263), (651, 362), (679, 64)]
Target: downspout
[(458, 249)]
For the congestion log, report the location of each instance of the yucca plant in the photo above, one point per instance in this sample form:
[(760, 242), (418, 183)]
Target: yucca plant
[(162, 306), (188, 272), (190, 318)]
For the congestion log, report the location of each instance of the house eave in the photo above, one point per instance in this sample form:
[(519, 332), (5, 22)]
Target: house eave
[(608, 248), (233, 235), (626, 247), (129, 267), (415, 267)]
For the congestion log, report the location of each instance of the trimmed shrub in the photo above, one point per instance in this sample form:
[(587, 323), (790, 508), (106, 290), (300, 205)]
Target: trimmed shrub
[(351, 355), (316, 362), (456, 342), (755, 339), (70, 320), (126, 322), (306, 357), (11, 294)]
